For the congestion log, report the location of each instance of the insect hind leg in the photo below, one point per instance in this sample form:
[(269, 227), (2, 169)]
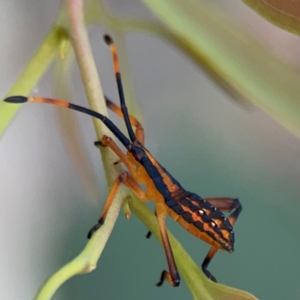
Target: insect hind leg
[(223, 204), (212, 251), (227, 204), (172, 276)]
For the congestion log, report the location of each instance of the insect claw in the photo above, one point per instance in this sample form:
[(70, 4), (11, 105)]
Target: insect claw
[(209, 275), (173, 280), (148, 235), (95, 228), (91, 232), (162, 278), (160, 283)]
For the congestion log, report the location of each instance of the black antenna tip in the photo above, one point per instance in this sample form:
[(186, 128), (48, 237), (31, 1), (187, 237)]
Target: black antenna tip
[(16, 99), (107, 39)]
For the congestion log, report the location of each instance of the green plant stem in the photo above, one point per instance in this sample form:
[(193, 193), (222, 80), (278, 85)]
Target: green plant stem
[(96, 101), (91, 80), (86, 261), (32, 73)]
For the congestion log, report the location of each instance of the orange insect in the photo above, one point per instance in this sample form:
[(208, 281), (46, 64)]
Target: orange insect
[(202, 217)]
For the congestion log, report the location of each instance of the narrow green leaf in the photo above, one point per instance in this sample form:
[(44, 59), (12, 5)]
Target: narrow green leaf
[(284, 14), (31, 74), (237, 59)]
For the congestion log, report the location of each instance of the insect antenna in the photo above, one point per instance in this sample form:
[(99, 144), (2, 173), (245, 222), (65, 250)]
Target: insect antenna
[(107, 122), (109, 41)]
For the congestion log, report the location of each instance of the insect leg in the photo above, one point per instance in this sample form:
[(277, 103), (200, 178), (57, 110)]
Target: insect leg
[(224, 204), (109, 142), (212, 251), (128, 180), (227, 204), (172, 276), (139, 131)]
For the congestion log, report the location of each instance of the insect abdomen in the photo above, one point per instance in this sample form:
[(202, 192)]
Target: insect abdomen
[(201, 219)]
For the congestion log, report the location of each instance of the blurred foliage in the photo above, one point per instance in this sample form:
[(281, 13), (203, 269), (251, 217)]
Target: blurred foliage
[(284, 14), (30, 76), (234, 58)]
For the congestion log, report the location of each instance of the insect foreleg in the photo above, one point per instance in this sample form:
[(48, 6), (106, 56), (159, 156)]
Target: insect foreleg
[(128, 180), (109, 142)]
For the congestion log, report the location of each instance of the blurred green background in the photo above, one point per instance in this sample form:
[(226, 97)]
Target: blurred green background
[(213, 146)]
